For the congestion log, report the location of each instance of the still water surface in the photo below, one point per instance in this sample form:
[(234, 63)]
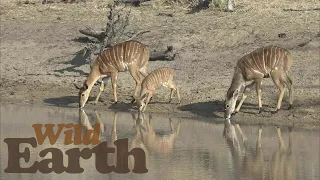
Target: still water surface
[(175, 148)]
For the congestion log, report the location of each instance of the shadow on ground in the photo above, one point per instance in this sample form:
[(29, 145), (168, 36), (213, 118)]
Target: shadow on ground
[(84, 40), (78, 61), (205, 109), (64, 101), (123, 106)]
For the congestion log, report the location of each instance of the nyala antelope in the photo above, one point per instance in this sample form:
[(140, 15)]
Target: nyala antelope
[(112, 157), (154, 142), (270, 61), (157, 78), (129, 56), (161, 144), (252, 162)]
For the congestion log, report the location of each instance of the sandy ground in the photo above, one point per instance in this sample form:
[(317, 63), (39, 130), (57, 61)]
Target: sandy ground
[(39, 45)]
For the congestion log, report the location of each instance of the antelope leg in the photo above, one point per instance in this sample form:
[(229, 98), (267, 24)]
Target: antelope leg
[(173, 86), (178, 94), (148, 99), (243, 137), (114, 86), (244, 95), (258, 145), (258, 90), (259, 138), (281, 142), (114, 128), (278, 80), (101, 88), (171, 95), (290, 87), (135, 74)]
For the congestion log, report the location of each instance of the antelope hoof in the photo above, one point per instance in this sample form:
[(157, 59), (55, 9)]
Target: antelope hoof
[(179, 103), (260, 111), (116, 102), (274, 112), (290, 107)]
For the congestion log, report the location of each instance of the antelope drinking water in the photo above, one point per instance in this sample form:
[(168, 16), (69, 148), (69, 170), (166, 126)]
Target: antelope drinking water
[(157, 78), (252, 68), (129, 56)]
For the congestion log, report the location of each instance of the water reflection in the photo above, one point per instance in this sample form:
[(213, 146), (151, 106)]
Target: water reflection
[(190, 149), (111, 157), (252, 164), (155, 142), (144, 137)]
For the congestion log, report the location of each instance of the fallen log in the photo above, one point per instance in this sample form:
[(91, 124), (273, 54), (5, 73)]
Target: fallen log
[(163, 55), (100, 35)]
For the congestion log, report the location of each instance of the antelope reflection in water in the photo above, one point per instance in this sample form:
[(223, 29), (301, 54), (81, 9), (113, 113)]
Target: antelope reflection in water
[(154, 142), (112, 157), (256, 165)]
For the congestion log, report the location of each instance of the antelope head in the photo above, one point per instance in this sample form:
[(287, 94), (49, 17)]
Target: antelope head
[(83, 94), (230, 102), (141, 103)]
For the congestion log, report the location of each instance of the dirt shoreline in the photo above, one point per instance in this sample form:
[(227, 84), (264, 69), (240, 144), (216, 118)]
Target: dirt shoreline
[(39, 42), (190, 110)]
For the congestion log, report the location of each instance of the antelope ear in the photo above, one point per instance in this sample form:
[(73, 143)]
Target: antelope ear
[(78, 87), (85, 85)]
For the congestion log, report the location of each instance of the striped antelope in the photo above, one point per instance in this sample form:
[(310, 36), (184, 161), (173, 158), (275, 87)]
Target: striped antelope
[(129, 56), (161, 144), (157, 78), (153, 141), (252, 162), (85, 122), (252, 68), (111, 158)]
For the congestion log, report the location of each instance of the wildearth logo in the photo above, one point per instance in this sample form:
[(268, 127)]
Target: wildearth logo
[(101, 152)]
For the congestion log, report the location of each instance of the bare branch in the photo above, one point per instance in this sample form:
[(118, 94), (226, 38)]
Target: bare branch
[(115, 31), (136, 35), (314, 9)]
